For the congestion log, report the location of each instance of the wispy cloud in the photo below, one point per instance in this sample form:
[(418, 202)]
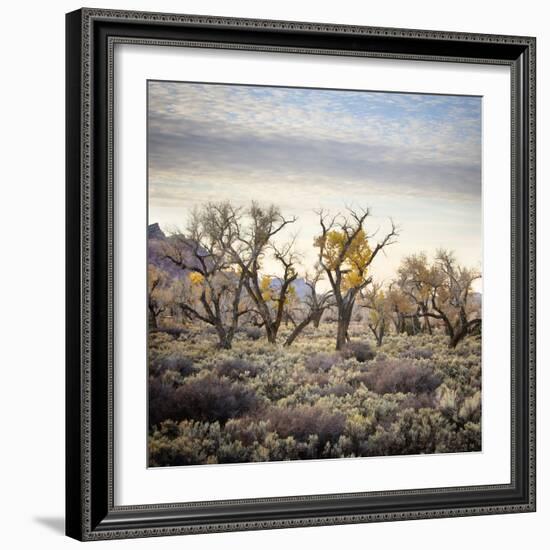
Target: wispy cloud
[(305, 148)]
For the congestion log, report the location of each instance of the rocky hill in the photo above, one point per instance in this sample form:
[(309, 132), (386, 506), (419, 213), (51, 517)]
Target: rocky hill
[(157, 242)]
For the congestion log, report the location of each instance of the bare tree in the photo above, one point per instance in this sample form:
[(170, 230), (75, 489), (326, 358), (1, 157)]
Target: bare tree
[(374, 299), (443, 292), (402, 308), (345, 255), (158, 295), (415, 277), (215, 284), (451, 298), (268, 293), (316, 303)]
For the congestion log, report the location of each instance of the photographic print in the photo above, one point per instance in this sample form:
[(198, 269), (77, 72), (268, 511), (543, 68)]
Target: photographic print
[(314, 278)]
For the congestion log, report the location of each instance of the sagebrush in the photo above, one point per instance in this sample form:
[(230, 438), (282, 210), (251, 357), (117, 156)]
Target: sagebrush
[(260, 402)]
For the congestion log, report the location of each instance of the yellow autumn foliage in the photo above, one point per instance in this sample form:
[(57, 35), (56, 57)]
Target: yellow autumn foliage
[(265, 287), (196, 278), (354, 261)]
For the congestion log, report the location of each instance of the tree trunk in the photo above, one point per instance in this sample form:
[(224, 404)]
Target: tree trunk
[(317, 319), (401, 324), (457, 337), (395, 321), (427, 325), (461, 332), (380, 335), (271, 333), (297, 330), (341, 334), (225, 338), (344, 318), (152, 319)]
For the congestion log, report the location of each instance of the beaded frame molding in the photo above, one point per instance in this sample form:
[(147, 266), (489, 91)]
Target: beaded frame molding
[(90, 40)]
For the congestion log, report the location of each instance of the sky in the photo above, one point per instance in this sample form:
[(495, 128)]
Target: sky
[(414, 158)]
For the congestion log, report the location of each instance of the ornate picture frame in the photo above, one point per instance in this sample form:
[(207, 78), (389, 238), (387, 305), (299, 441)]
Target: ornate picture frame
[(91, 509)]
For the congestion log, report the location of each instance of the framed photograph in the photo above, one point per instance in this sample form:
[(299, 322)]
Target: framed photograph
[(300, 274)]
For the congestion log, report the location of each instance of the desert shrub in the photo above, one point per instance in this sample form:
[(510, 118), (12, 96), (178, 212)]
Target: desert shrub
[(275, 383), (231, 452), (303, 421), (339, 390), (210, 398), (463, 349), (343, 448), (414, 432), (418, 353), (207, 398), (361, 351), (183, 444), (158, 338), (382, 409), (358, 429), (162, 404), (467, 439), (321, 361), (475, 377), (169, 428), (252, 333), (174, 332), (246, 430), (418, 401), (237, 369), (447, 401), (182, 365), (400, 376), (258, 402), (277, 448), (320, 379), (457, 407), (470, 411)]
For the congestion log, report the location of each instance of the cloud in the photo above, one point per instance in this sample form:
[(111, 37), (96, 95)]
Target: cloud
[(414, 157), (398, 143)]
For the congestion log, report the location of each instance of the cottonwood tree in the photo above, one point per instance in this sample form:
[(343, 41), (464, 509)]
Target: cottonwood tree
[(451, 297), (158, 294), (402, 308), (316, 303), (215, 284), (269, 294), (271, 286), (375, 300), (415, 280), (243, 238), (345, 255), (449, 288)]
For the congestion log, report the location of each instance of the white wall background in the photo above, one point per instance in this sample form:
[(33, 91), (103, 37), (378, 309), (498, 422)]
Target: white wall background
[(32, 274)]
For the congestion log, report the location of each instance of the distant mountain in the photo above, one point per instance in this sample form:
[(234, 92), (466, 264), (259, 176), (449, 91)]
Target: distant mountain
[(476, 298), (155, 232), (157, 242), (299, 285)]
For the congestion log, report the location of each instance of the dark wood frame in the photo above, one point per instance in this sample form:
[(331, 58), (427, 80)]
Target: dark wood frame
[(90, 510)]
